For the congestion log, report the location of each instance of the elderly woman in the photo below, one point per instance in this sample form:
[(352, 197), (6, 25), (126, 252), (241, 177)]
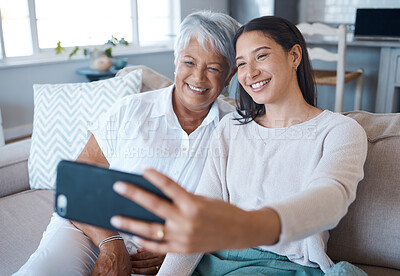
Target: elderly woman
[(168, 129)]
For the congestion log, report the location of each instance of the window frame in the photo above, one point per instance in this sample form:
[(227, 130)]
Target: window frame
[(2, 50), (49, 56)]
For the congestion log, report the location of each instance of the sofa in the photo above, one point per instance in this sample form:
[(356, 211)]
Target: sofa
[(1, 131), (368, 236)]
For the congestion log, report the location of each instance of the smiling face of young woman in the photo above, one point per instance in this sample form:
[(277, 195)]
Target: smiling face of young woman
[(200, 76), (265, 70)]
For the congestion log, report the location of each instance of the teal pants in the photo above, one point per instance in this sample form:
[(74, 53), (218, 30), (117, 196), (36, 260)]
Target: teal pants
[(255, 261)]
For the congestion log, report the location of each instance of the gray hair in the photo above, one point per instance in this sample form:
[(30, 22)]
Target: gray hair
[(218, 29)]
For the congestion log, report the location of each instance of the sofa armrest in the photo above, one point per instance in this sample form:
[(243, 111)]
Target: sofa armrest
[(14, 167)]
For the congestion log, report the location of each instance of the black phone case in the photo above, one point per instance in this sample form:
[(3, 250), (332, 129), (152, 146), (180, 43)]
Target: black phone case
[(84, 193)]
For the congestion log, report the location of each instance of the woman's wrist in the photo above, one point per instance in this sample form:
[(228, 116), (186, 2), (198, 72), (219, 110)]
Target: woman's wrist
[(110, 239), (95, 234), (265, 226), (113, 247)]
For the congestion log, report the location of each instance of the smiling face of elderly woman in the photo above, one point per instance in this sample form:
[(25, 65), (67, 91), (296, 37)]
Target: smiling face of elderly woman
[(200, 76), (204, 60)]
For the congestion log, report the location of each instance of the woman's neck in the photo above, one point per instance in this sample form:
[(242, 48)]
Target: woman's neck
[(291, 112), (188, 119)]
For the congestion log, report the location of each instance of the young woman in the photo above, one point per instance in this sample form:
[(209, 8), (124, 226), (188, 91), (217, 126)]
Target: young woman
[(288, 170)]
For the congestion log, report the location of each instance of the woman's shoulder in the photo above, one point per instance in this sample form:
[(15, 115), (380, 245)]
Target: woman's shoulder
[(346, 126), (140, 100), (139, 105), (336, 118), (154, 96), (230, 124), (230, 118), (225, 105)]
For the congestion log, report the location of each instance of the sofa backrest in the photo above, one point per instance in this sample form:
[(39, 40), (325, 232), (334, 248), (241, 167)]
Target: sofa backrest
[(151, 80), (370, 232)]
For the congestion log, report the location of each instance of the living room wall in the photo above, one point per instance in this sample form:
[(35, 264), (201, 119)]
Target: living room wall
[(16, 93)]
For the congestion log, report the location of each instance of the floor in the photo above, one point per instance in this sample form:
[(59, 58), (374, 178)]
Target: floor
[(17, 139)]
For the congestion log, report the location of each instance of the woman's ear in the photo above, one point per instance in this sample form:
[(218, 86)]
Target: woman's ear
[(296, 54)]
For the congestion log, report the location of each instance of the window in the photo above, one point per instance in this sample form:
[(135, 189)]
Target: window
[(156, 24), (32, 27), (92, 23), (15, 28)]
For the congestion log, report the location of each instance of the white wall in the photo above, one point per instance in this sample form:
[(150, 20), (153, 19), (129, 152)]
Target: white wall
[(16, 94)]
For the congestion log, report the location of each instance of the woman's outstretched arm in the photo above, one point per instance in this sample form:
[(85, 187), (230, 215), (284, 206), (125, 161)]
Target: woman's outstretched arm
[(195, 223)]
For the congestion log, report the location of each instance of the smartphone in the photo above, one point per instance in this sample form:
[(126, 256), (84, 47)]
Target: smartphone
[(84, 193)]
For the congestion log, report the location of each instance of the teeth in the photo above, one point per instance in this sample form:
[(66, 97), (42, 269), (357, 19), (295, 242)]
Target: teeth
[(259, 84), (197, 89)]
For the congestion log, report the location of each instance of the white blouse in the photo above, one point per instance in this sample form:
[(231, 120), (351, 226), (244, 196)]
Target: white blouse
[(142, 131)]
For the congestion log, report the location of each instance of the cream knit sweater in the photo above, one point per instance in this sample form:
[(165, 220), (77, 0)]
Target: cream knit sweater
[(308, 173)]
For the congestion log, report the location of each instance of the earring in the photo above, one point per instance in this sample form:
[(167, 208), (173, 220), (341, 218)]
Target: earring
[(226, 93)]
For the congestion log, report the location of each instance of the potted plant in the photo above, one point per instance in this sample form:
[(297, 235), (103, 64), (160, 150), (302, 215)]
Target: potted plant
[(100, 57)]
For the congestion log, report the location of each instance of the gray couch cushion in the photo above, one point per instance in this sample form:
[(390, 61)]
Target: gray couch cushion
[(14, 167), (378, 271), (23, 219), (369, 233)]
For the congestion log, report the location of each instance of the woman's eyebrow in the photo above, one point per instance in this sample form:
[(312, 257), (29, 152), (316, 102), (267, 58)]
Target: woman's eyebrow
[(256, 50), (215, 63), (261, 48), (212, 62)]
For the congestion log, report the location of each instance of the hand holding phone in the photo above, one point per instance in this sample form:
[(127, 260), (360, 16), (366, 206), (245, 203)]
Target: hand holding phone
[(85, 193)]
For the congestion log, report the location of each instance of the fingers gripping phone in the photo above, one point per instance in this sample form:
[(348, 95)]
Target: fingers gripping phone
[(85, 193)]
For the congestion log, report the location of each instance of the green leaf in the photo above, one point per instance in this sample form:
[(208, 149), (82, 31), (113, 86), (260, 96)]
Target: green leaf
[(123, 42), (110, 42), (86, 51), (59, 49), (113, 41), (108, 52), (74, 51)]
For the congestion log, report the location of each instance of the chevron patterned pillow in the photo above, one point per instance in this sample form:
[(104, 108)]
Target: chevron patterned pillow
[(61, 118)]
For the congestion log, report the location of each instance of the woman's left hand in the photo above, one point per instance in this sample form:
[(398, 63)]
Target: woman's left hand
[(145, 262), (194, 223)]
